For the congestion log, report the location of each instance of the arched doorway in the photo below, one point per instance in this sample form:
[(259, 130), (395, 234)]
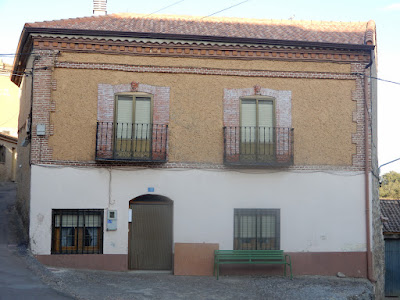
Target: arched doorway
[(150, 233)]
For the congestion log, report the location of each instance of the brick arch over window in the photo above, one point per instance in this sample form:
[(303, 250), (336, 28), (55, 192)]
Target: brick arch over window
[(106, 100), (105, 115), (282, 114)]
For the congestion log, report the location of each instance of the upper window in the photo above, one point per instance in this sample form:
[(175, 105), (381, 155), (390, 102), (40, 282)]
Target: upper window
[(257, 129), (133, 127), (78, 231), (132, 122), (256, 229), (2, 154)]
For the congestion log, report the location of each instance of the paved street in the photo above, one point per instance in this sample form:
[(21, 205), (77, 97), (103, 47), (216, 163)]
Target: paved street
[(16, 280), (23, 277)]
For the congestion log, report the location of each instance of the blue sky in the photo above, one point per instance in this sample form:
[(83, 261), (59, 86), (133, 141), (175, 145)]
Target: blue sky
[(386, 14)]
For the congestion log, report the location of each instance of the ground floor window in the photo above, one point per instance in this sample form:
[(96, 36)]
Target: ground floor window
[(77, 231), (256, 229)]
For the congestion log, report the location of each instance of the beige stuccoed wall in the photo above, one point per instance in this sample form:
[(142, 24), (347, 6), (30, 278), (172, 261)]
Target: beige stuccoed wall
[(206, 63), (321, 109), (9, 105)]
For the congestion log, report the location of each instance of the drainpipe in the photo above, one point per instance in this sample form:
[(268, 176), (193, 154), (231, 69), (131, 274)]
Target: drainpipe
[(367, 169)]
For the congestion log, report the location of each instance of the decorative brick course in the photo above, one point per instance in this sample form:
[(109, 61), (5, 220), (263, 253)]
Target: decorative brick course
[(205, 71), (197, 49), (200, 166)]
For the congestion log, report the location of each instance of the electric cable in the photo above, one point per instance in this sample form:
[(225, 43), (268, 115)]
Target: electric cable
[(177, 2)]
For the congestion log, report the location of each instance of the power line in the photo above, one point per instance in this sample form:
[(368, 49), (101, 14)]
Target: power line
[(214, 13), (394, 82), (217, 12), (9, 119), (164, 8), (392, 161), (377, 78)]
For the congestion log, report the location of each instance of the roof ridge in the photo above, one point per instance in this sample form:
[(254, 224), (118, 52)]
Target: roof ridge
[(207, 19)]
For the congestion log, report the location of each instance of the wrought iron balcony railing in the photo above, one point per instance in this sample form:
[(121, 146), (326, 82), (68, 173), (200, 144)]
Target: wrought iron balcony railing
[(264, 146), (131, 142)]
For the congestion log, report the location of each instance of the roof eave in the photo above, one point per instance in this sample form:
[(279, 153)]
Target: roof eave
[(8, 138), (207, 38), (18, 62)]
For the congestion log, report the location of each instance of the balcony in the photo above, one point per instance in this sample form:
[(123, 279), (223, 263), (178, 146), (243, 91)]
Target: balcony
[(131, 142), (258, 146)]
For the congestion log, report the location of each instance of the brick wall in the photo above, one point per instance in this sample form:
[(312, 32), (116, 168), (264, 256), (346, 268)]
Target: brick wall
[(43, 85)]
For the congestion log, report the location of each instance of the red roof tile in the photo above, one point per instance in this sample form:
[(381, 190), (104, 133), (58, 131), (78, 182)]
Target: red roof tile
[(356, 33), (391, 210)]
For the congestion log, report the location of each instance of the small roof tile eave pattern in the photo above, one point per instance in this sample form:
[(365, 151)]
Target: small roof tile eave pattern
[(391, 210), (355, 33)]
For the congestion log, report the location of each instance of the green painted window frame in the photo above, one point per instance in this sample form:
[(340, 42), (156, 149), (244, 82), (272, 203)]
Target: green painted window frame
[(134, 95), (257, 99), (133, 147), (256, 146)]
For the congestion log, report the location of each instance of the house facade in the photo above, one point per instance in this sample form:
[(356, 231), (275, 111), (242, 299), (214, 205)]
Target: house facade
[(391, 232), (8, 157), (153, 140)]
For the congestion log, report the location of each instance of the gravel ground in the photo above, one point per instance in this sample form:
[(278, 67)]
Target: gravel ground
[(89, 284)]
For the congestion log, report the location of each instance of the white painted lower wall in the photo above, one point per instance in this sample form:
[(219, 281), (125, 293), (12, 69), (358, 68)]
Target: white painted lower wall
[(320, 212)]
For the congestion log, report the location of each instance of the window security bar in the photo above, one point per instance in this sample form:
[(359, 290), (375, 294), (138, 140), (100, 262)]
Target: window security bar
[(258, 145), (131, 141)]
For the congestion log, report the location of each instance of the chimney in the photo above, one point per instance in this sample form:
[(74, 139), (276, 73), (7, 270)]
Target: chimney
[(99, 7)]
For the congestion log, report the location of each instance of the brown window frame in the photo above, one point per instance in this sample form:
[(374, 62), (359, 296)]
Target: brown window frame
[(80, 229)]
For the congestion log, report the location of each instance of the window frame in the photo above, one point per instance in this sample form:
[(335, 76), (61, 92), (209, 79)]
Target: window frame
[(116, 140), (134, 95), (256, 146), (79, 236), (258, 98), (257, 213)]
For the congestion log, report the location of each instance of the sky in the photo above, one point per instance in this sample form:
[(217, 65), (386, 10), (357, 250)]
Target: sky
[(386, 14)]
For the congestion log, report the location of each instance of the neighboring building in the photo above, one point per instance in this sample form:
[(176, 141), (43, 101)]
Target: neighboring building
[(9, 102), (8, 157), (391, 232), (156, 139)]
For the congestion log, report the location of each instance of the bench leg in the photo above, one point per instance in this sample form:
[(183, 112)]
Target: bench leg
[(284, 270), (291, 275)]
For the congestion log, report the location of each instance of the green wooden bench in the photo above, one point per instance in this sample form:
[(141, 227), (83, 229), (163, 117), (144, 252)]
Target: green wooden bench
[(272, 257)]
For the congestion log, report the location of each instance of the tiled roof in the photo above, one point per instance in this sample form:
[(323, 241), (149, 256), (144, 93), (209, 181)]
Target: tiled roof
[(391, 210), (356, 33), (8, 138)]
